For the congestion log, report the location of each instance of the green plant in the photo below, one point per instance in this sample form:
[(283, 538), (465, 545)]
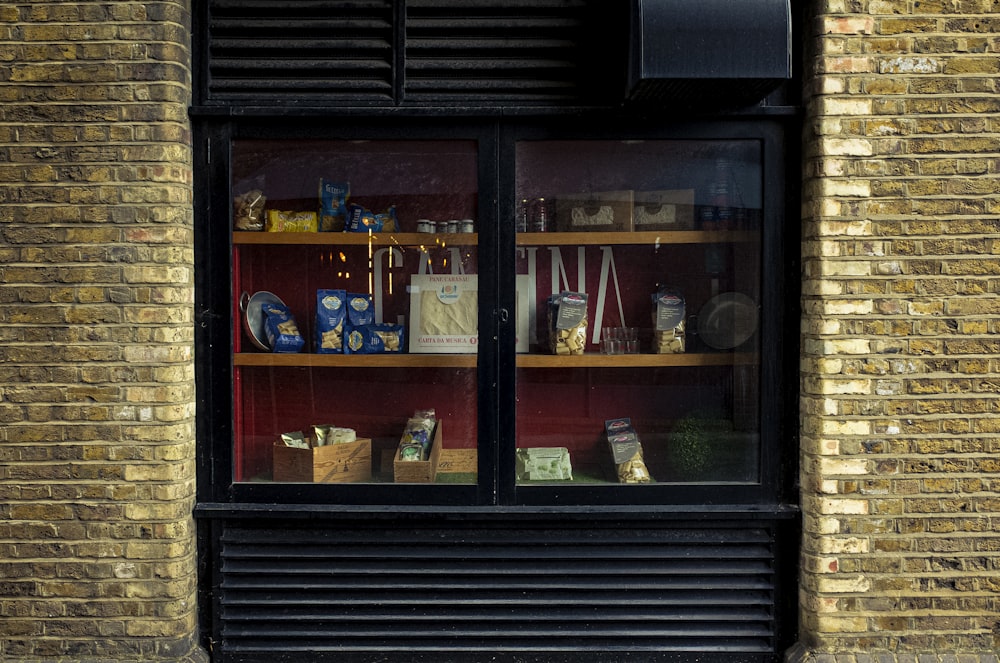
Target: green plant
[(694, 441)]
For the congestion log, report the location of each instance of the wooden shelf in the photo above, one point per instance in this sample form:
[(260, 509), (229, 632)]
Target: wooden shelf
[(642, 237), (635, 361), (651, 237), (307, 360), (342, 238)]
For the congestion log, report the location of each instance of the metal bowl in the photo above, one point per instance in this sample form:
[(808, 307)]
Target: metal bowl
[(253, 317), (727, 320)]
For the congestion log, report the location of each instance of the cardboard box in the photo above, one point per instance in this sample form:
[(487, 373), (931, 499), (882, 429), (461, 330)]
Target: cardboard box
[(444, 313), (663, 210), (349, 462), (419, 471), (607, 211)]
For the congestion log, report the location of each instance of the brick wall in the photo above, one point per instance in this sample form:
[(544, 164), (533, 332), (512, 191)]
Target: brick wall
[(97, 550), (901, 352), (900, 366)]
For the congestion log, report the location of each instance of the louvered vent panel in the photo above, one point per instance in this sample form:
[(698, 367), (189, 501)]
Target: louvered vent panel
[(267, 51), (517, 51), (428, 594)]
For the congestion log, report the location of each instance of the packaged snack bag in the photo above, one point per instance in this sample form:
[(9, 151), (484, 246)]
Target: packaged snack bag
[(362, 220), (280, 328), (331, 317), (668, 321), (626, 451), (248, 210), (415, 443), (283, 221), (568, 323), (324, 434), (360, 310), (333, 205), (374, 339)]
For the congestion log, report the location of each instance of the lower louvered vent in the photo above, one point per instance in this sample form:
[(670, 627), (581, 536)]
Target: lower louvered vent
[(274, 50), (523, 591)]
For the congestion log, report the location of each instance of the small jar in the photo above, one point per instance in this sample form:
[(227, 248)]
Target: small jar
[(523, 216), (541, 215), (467, 226)]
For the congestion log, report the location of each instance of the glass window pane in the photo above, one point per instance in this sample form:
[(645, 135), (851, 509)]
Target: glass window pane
[(655, 378), (384, 306)]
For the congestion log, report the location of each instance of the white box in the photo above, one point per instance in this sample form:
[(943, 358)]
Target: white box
[(444, 313)]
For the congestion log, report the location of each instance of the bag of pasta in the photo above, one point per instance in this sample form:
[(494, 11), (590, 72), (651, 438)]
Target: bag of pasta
[(333, 205), (374, 339), (331, 315), (418, 435), (280, 328), (626, 451), (668, 321), (360, 310), (363, 220), (567, 318)]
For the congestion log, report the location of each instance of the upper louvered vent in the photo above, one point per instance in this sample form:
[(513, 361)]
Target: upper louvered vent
[(520, 51), (268, 51)]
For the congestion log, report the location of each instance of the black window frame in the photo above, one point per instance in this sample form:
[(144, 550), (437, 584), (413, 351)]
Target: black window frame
[(496, 487)]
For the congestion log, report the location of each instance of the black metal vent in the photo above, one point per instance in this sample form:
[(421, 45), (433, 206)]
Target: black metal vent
[(526, 594), (519, 51), (267, 51)]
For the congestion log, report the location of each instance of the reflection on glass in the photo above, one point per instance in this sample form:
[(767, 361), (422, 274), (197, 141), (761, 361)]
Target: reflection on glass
[(370, 247), (661, 239)]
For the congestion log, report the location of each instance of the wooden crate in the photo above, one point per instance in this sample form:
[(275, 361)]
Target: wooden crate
[(458, 461), (450, 462), (419, 471), (664, 210), (603, 211), (349, 462)]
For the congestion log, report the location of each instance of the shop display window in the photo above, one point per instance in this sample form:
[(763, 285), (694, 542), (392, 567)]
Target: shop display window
[(656, 377), (334, 240), (543, 319)]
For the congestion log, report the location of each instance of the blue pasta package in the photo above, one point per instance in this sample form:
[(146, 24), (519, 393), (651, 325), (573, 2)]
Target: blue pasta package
[(331, 317), (333, 205), (280, 328), (374, 339)]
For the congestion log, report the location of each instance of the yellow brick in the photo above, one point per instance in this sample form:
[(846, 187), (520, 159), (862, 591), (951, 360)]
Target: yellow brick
[(850, 466), (849, 228), (846, 188), (847, 307), (833, 505), (825, 624), (842, 585), (844, 545), (845, 106), (828, 386), (827, 486), (833, 167), (831, 407), (848, 25), (846, 427), (846, 146)]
